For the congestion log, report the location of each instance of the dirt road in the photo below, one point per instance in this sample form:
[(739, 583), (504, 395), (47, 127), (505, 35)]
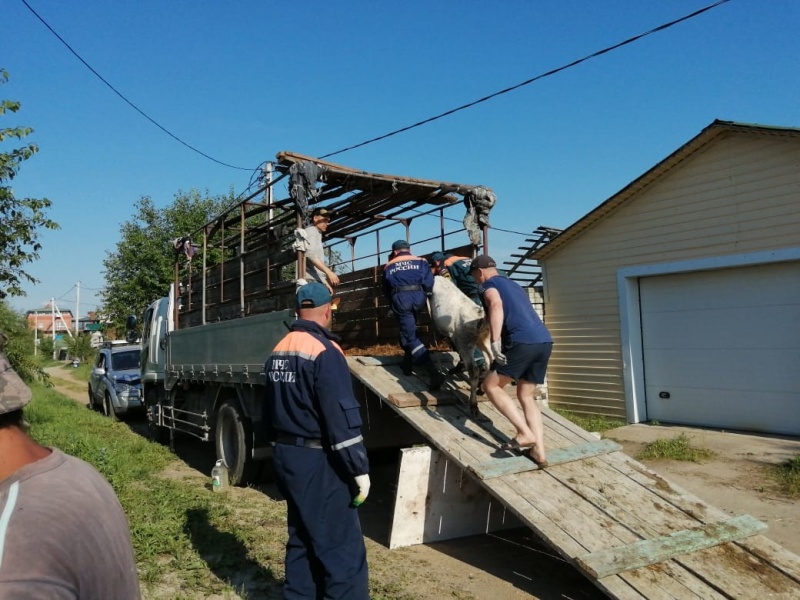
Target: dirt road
[(515, 564)]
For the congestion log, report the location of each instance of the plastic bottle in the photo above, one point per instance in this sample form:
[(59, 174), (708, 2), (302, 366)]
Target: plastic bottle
[(219, 477)]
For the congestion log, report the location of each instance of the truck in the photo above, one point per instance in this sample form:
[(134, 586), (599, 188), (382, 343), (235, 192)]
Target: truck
[(204, 343)]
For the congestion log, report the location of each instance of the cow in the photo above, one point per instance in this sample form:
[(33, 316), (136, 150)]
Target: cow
[(458, 318)]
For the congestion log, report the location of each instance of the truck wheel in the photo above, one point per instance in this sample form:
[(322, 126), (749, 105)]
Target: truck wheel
[(160, 435), (235, 445)]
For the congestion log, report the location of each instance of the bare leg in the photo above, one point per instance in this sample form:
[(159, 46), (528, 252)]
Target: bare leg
[(526, 394), (493, 385)]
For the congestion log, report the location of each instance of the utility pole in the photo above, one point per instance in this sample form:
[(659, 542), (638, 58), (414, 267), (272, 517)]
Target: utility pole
[(77, 307)]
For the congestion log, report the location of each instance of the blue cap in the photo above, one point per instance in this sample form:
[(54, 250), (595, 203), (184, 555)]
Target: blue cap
[(437, 256), (400, 245), (312, 295)]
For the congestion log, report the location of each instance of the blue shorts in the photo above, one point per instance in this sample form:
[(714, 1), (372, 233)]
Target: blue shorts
[(526, 361)]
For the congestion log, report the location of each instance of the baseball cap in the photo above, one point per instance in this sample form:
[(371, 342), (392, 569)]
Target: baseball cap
[(322, 212), (437, 256), (484, 261), (14, 394), (312, 295), (401, 245)]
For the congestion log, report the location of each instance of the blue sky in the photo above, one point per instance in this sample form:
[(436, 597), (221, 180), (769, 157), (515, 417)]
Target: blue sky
[(243, 80)]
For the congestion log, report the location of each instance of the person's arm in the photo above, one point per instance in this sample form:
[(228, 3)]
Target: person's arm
[(315, 255), (494, 308), (340, 412), (427, 277), (321, 266)]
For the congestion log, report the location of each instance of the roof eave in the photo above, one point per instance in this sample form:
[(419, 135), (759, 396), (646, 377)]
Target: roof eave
[(697, 143)]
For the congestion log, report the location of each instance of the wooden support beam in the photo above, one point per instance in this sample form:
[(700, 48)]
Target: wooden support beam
[(498, 467), (408, 399), (435, 501), (619, 559)]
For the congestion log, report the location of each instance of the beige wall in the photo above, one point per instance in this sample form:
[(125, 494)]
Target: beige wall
[(739, 195)]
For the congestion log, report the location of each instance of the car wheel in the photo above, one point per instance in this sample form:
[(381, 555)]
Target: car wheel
[(90, 405), (235, 444), (108, 408)]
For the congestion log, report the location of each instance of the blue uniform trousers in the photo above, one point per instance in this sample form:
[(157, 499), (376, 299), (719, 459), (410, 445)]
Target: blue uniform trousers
[(406, 306), (325, 555)]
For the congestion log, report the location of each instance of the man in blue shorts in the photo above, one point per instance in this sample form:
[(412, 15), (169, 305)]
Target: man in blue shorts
[(521, 345)]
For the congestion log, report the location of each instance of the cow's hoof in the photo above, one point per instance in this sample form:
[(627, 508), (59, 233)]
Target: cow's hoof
[(477, 415)]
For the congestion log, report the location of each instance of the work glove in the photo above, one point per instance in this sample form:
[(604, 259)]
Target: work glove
[(362, 481), (499, 357)]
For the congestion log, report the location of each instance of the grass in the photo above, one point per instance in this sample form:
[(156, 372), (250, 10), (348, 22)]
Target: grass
[(189, 542), (678, 448), (787, 475), (590, 422)]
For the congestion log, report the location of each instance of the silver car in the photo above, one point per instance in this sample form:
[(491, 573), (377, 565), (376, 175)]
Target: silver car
[(115, 381)]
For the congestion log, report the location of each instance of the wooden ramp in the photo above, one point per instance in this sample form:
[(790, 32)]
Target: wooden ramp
[(632, 532)]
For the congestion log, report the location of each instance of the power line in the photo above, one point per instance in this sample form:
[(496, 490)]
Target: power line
[(131, 104), (529, 81)]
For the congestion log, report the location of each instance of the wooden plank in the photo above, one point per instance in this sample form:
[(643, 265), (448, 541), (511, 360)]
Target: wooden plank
[(378, 361), (674, 580), (407, 399), (519, 464), (435, 502), (592, 505), (728, 569), (647, 552), (737, 573)]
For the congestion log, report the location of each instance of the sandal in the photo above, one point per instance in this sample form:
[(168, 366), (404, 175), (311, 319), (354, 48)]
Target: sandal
[(515, 445)]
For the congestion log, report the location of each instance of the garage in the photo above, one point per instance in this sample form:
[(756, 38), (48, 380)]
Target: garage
[(721, 348)]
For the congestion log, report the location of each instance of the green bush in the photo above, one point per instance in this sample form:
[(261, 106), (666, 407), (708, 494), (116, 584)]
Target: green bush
[(18, 346), (46, 347), (80, 347)]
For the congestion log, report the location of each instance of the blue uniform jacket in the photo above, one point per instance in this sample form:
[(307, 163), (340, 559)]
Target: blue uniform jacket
[(405, 269), (309, 393)]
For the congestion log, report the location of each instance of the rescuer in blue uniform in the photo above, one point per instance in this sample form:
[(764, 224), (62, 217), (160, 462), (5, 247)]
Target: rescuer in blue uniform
[(457, 269), (321, 464), (407, 282)]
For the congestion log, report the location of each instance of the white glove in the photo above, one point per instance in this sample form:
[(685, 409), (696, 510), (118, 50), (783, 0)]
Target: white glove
[(362, 481), (499, 357)]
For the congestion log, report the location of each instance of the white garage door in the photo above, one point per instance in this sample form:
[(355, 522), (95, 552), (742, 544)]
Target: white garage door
[(722, 348)]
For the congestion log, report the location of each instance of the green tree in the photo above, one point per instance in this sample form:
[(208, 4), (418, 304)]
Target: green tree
[(140, 270), (21, 218), (80, 347), (19, 345), (46, 347)]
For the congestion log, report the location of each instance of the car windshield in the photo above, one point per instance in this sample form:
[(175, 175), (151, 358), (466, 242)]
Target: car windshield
[(122, 361)]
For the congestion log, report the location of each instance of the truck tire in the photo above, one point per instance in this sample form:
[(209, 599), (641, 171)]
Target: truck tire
[(158, 434), (235, 444)]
